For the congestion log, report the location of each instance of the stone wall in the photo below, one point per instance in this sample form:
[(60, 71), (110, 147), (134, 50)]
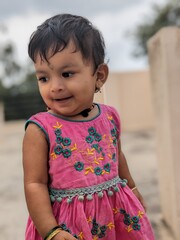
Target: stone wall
[(164, 58)]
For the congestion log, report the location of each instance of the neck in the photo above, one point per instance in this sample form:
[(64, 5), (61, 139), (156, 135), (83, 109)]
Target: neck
[(85, 112)]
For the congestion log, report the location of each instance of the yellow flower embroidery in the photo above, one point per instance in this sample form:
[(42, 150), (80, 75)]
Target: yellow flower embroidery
[(95, 238), (110, 117), (89, 169), (74, 147), (129, 229), (54, 156), (58, 125), (89, 219), (110, 225), (140, 214), (96, 162), (90, 151), (115, 210), (80, 235)]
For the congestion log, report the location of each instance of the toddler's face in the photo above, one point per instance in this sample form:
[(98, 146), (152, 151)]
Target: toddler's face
[(66, 82)]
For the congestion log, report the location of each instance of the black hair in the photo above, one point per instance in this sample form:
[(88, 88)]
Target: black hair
[(56, 32)]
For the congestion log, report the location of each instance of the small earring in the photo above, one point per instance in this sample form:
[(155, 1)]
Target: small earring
[(97, 90)]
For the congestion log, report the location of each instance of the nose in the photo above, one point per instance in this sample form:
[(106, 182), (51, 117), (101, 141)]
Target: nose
[(57, 85)]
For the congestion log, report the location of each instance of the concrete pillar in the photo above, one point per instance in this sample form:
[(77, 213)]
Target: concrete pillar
[(164, 59), (1, 113)]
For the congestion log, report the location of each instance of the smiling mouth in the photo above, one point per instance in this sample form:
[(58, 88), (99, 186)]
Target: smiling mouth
[(62, 99)]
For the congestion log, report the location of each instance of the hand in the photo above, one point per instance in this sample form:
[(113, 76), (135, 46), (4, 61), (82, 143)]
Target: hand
[(140, 198), (63, 235)]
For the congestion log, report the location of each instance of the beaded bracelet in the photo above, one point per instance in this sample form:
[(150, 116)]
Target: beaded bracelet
[(132, 189), (54, 230)]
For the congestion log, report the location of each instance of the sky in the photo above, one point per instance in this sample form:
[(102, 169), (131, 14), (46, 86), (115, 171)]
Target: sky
[(114, 18)]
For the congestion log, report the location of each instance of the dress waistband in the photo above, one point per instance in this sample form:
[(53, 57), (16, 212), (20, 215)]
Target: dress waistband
[(59, 194)]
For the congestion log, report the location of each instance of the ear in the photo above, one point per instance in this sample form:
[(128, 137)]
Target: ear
[(101, 75)]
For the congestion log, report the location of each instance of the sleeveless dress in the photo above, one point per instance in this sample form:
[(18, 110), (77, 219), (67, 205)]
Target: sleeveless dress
[(89, 200)]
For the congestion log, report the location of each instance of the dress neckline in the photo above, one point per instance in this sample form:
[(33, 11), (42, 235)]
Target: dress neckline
[(80, 120)]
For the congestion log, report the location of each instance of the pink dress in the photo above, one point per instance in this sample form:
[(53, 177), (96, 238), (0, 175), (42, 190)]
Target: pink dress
[(89, 200)]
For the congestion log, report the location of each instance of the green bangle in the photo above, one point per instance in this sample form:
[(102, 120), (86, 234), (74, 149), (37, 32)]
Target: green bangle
[(51, 231)]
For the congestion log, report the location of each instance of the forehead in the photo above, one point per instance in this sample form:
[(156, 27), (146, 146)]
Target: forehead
[(69, 56)]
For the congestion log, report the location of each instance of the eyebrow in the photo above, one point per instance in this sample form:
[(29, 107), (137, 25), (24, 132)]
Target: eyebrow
[(62, 67)]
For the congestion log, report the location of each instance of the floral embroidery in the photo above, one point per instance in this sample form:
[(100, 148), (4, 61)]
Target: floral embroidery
[(92, 131), (113, 132), (98, 171), (89, 139), (58, 149), (66, 153), (59, 139), (97, 137), (98, 230), (79, 166), (61, 143), (66, 141), (114, 141), (114, 157), (94, 136), (107, 167), (97, 147), (93, 155), (131, 222), (64, 227), (58, 131)]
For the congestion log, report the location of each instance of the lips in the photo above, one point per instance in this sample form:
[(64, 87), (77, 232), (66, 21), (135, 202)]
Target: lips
[(62, 99)]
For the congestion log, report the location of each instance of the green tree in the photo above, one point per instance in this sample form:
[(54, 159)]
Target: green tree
[(162, 16), (9, 67)]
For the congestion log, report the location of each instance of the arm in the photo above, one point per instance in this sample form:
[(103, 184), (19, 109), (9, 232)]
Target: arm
[(35, 164), (124, 173)]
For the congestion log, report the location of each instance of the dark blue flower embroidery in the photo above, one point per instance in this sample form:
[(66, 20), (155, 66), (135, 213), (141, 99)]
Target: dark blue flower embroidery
[(107, 167), (89, 139), (97, 137), (98, 230), (114, 141), (59, 139), (97, 148), (114, 157), (101, 234), (64, 227), (127, 221), (122, 211), (94, 231), (58, 132), (66, 141), (113, 132), (98, 171), (58, 149), (135, 219), (66, 152), (103, 228), (91, 131), (136, 226), (79, 166)]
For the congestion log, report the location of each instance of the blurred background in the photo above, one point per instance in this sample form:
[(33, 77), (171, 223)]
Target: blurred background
[(126, 26)]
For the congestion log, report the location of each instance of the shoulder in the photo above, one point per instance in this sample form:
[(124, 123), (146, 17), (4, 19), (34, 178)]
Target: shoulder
[(109, 110), (38, 121), (112, 114)]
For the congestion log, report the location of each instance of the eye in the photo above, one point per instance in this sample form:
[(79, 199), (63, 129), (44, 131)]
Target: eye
[(67, 74), (42, 79)]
